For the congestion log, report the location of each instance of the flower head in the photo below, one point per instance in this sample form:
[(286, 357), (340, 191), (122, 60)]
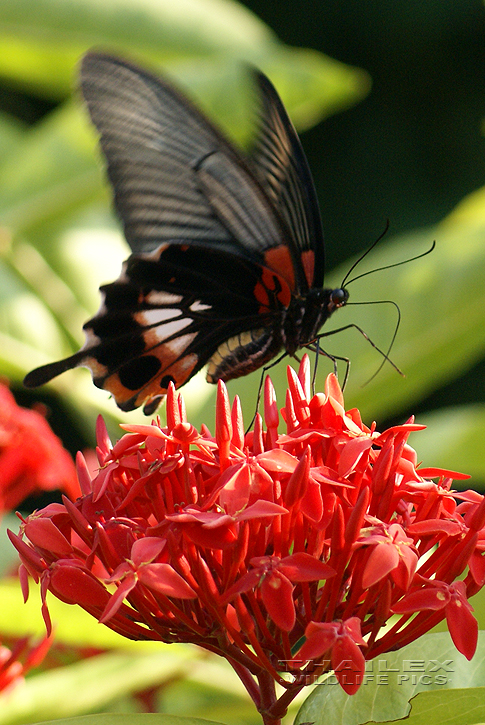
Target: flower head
[(250, 545)]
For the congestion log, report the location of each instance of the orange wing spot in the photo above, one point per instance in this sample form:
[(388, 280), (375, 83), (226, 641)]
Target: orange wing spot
[(279, 259), (175, 367), (179, 372), (308, 262), (119, 392)]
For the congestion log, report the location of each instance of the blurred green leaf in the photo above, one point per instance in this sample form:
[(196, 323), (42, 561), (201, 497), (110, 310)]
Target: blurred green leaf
[(132, 719), (11, 132), (52, 172), (454, 437), (73, 626), (88, 685), (41, 41)]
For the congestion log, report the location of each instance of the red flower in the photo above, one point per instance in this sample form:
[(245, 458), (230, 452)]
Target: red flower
[(32, 458), (342, 640), (275, 578), (249, 545), (436, 595), (391, 552)]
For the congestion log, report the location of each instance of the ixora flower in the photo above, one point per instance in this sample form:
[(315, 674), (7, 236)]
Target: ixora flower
[(285, 553)]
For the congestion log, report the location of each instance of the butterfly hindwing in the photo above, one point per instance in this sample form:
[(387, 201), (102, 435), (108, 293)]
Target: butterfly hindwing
[(170, 312)]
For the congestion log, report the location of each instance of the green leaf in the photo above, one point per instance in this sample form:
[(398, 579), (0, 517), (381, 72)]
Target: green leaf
[(430, 664), (87, 686), (453, 707), (439, 336), (52, 172), (454, 440), (73, 626), (131, 719), (11, 132)]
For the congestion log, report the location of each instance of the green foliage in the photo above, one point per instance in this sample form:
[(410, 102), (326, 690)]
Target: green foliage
[(429, 666)]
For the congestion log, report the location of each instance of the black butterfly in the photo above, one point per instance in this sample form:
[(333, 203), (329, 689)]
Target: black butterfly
[(228, 256)]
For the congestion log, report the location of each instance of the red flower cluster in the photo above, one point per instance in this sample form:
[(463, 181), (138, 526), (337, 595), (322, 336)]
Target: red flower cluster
[(32, 458), (281, 552)]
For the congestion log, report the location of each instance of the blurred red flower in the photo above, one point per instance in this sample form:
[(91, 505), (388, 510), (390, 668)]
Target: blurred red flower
[(32, 458), (16, 661)]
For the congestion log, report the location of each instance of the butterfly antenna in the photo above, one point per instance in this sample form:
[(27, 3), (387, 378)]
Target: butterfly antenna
[(364, 255), (380, 269)]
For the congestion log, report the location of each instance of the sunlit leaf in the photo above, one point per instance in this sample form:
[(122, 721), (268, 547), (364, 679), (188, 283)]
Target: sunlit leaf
[(455, 707), (42, 40), (429, 664)]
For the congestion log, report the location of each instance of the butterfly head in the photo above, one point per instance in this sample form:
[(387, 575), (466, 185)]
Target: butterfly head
[(338, 298)]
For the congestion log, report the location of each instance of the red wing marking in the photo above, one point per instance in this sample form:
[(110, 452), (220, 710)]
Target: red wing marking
[(308, 262), (271, 286), (279, 259), (261, 294)]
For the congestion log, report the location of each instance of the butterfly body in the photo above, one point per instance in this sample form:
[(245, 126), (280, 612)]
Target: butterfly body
[(227, 263)]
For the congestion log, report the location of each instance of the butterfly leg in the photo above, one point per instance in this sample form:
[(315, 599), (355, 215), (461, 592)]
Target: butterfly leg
[(385, 356), (315, 347)]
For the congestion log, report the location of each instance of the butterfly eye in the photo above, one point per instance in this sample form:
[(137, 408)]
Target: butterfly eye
[(339, 297)]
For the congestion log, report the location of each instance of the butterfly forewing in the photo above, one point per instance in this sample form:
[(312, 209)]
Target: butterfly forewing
[(174, 176), (281, 165)]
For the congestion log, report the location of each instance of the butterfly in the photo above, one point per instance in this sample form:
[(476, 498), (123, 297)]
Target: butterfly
[(228, 255)]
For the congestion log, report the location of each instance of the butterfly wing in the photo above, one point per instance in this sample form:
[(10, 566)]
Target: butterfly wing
[(219, 249)]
